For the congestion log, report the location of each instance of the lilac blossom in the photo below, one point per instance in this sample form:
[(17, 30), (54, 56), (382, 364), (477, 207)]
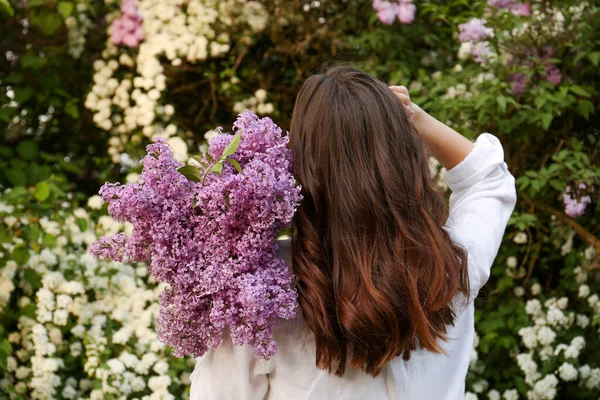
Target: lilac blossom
[(575, 207), (213, 243), (388, 11), (474, 31), (522, 9), (127, 29), (518, 82)]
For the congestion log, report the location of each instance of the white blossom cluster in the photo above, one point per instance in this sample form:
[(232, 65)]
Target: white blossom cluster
[(95, 314), (549, 21), (547, 344), (255, 103), (78, 26), (127, 95)]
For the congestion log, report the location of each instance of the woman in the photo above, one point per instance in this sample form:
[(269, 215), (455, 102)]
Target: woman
[(386, 273)]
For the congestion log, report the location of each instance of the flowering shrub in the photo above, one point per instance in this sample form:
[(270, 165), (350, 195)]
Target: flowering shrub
[(77, 327), (526, 71)]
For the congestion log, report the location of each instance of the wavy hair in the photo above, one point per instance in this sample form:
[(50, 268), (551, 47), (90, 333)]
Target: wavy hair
[(375, 271)]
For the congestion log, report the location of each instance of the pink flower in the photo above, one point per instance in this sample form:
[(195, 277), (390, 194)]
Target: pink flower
[(518, 81), (474, 30), (387, 11), (406, 12), (573, 207), (127, 29), (522, 9), (482, 52), (553, 74)]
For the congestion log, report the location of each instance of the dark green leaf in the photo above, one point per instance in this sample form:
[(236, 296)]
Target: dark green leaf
[(22, 94), (42, 191), (191, 173), (580, 91), (32, 61), (16, 176), (21, 255), (27, 149), (47, 21), (33, 278), (585, 108), (233, 145), (594, 58)]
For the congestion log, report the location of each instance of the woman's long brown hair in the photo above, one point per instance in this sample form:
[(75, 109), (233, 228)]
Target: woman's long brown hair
[(375, 271)]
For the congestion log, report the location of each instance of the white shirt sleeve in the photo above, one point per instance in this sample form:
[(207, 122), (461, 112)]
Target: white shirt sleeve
[(230, 372), (483, 198)]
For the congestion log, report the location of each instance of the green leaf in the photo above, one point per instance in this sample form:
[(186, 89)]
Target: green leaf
[(232, 146), (191, 173), (47, 21), (6, 8), (2, 361), (22, 94), (585, 108), (594, 58), (200, 160), (501, 103), (16, 176), (42, 191), (33, 61), (82, 224), (65, 8), (27, 149), (235, 164), (21, 255), (580, 91), (48, 239), (546, 121), (216, 168), (33, 278)]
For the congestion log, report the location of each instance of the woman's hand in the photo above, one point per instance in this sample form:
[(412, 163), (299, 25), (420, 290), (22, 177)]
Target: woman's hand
[(447, 146), (412, 110)]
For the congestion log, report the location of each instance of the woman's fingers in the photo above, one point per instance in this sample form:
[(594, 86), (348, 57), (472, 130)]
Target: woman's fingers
[(400, 89)]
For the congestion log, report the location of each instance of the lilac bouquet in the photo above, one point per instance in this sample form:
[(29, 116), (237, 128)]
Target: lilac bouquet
[(209, 232)]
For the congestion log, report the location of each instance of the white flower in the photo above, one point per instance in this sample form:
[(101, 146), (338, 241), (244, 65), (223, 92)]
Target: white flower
[(511, 394), (464, 52), (116, 366), (544, 388), (593, 381), (493, 395), (529, 337), (536, 289), (470, 396), (95, 202), (585, 371), (519, 291), (520, 238), (180, 149), (562, 303), (584, 291), (577, 344), (567, 372), (261, 95), (511, 262), (582, 321), (533, 307), (546, 335)]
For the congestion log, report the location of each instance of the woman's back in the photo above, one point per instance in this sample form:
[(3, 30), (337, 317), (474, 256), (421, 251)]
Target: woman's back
[(483, 198)]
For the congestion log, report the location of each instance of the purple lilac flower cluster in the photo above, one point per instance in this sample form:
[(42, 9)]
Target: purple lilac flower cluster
[(475, 32), (551, 73), (387, 11), (127, 29), (213, 243), (575, 207), (522, 9)]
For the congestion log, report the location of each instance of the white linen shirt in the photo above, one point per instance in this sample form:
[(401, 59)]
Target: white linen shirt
[(483, 198)]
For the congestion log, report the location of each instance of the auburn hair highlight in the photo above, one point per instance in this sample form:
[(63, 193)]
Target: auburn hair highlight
[(375, 271)]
